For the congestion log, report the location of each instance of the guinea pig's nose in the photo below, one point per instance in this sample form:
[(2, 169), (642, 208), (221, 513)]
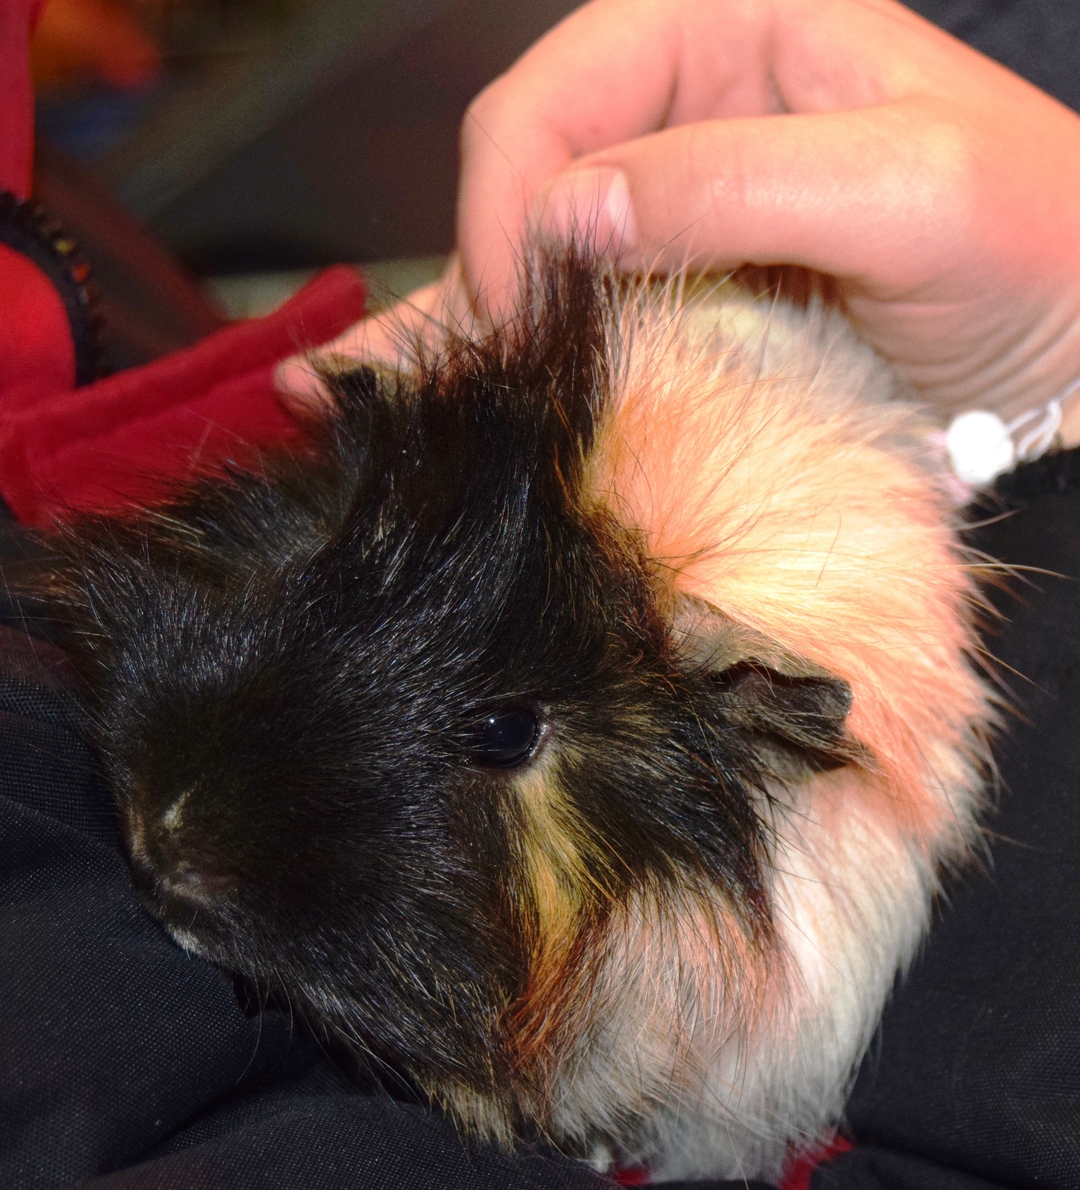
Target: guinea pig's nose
[(165, 864), (169, 872), (186, 881)]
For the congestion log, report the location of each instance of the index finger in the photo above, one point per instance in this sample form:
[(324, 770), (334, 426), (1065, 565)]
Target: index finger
[(617, 69)]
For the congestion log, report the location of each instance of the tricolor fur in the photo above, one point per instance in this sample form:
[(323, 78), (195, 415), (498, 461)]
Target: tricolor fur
[(703, 542)]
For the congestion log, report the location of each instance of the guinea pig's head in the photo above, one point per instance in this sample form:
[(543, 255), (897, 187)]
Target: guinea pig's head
[(403, 724)]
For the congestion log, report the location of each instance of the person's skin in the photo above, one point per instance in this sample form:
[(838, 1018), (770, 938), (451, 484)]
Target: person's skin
[(850, 136)]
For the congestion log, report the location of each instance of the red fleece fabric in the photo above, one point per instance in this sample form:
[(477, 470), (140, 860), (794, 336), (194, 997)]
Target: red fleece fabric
[(106, 445), (122, 440), (36, 351), (17, 19)]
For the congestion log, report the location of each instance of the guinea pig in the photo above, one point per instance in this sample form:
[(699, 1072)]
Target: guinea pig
[(580, 727)]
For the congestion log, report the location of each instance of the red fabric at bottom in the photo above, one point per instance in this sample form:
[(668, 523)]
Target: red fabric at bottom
[(798, 1176)]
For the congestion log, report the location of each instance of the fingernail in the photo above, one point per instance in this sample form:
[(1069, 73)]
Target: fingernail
[(592, 206)]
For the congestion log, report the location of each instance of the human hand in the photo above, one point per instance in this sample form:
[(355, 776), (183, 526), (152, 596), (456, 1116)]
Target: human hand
[(848, 136)]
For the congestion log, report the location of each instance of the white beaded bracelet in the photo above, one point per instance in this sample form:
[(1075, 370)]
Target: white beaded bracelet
[(981, 446)]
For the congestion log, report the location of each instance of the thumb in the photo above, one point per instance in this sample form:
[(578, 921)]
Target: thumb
[(868, 195)]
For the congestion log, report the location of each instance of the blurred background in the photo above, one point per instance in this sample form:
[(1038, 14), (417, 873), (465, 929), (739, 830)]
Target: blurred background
[(209, 154)]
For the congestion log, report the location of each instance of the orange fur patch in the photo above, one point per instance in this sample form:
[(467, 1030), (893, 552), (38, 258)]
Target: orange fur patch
[(804, 509)]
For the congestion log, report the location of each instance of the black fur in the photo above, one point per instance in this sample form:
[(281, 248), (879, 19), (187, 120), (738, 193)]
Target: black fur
[(304, 656)]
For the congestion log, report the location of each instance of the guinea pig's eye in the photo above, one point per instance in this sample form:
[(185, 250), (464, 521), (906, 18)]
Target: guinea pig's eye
[(506, 738)]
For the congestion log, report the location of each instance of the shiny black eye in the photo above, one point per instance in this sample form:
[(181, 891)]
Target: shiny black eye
[(506, 738)]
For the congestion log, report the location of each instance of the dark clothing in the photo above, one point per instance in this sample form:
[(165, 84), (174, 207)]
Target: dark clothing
[(1039, 39)]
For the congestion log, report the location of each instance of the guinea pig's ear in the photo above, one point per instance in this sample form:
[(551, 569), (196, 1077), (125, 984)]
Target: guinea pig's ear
[(797, 709)]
